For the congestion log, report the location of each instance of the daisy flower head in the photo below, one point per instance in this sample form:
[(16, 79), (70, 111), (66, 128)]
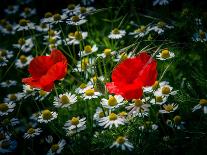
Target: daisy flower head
[(74, 125), (150, 89), (176, 122), (14, 97), (7, 145), (8, 83), (160, 27), (57, 18), (25, 45), (75, 38), (47, 116), (168, 108), (6, 108), (3, 61), (85, 10), (161, 2), (57, 148), (11, 9), (8, 29), (140, 32), (117, 34), (41, 95), (81, 89), (200, 36), (28, 12), (71, 9), (90, 93), (88, 50), (99, 114), (43, 27), (32, 132), (138, 105), (159, 100), (65, 100), (165, 54), (48, 18), (111, 120), (112, 102), (28, 90), (10, 122), (202, 105), (165, 90), (107, 53), (123, 143), (76, 20), (6, 53), (24, 24), (23, 61)]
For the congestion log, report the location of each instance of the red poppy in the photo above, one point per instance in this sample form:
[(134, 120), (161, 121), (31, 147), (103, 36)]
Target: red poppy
[(45, 70), (131, 75)]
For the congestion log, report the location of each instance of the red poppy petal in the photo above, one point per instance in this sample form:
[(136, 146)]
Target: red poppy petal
[(32, 82), (39, 66), (57, 56)]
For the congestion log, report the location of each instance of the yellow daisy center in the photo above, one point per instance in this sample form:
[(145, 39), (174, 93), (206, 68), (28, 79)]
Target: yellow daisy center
[(71, 6), (165, 53), (23, 59), (84, 63), (78, 35), (177, 119), (74, 121), (48, 14), (42, 92), (83, 85), (107, 52), (51, 33), (124, 56), (116, 31), (203, 102), (3, 107), (113, 117), (87, 49), (137, 102), (202, 34), (168, 107), (23, 22), (165, 90), (89, 92), (57, 17), (46, 114), (27, 10), (64, 99), (120, 140), (112, 101), (21, 41), (83, 10), (75, 18), (123, 113), (13, 97), (141, 29), (101, 114), (8, 27), (2, 53), (52, 40), (161, 24), (31, 131), (158, 98), (54, 147)]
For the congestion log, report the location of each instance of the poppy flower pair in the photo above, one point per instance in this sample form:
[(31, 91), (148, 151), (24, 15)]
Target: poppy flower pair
[(131, 75), (45, 70)]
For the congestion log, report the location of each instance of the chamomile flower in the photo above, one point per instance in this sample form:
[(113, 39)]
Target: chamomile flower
[(150, 89), (165, 54), (47, 116), (6, 108), (11, 9), (202, 105), (24, 24), (7, 145), (41, 95), (6, 53), (8, 83), (75, 38), (88, 50), (57, 18), (138, 105), (140, 31), (76, 20), (14, 97), (90, 94), (112, 102), (10, 122), (85, 10), (168, 108), (65, 100), (43, 27), (159, 100), (122, 56), (74, 125), (32, 132), (176, 122), (99, 114), (71, 9), (149, 125), (57, 148), (161, 2), (107, 53), (201, 36), (28, 90), (81, 89), (23, 61), (3, 61), (123, 143), (28, 12), (111, 120), (47, 18), (8, 29), (165, 90), (25, 45), (117, 34), (160, 27)]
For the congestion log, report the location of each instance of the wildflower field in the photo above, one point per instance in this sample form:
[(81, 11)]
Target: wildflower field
[(103, 77)]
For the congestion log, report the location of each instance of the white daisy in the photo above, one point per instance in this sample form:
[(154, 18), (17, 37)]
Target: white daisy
[(85, 10), (71, 9), (88, 50), (99, 114), (3, 61), (165, 54), (28, 90), (24, 25), (28, 12), (57, 148), (75, 38), (176, 122), (32, 132), (11, 9), (64, 100), (41, 95), (47, 116), (75, 125), (168, 108), (81, 89), (13, 97), (8, 29), (8, 83), (107, 53), (6, 108), (47, 18), (25, 45), (116, 34), (160, 27), (202, 104), (150, 89), (165, 90), (90, 94), (159, 100), (150, 126), (112, 102), (200, 36), (123, 143), (6, 53), (140, 32), (122, 56), (161, 2), (43, 27), (76, 20), (23, 61), (110, 120), (57, 18), (7, 145), (10, 122)]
